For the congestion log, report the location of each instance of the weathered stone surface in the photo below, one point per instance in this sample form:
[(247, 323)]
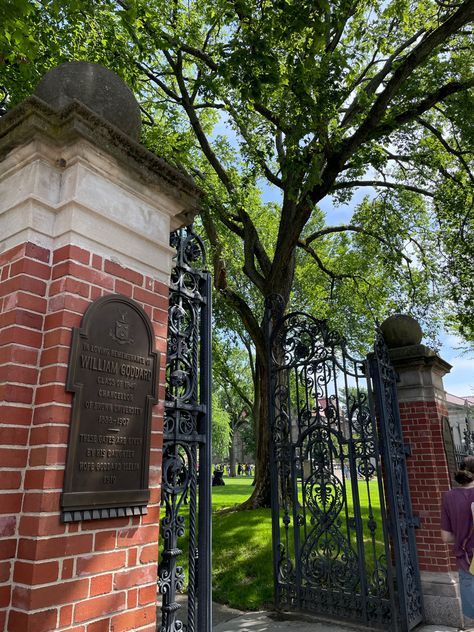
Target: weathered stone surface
[(401, 330), (102, 144), (98, 88), (70, 176)]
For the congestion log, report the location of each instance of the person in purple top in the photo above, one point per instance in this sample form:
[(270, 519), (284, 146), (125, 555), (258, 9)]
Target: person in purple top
[(456, 528)]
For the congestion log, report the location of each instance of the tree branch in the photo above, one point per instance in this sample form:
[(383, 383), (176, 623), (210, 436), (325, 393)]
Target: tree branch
[(413, 60), (229, 377), (153, 77), (206, 104), (377, 79), (270, 116), (237, 418), (409, 159), (420, 108), (220, 283), (333, 275), (247, 316), (200, 134), (271, 177), (304, 243), (280, 147), (249, 262), (198, 53), (334, 41), (362, 77), (349, 184), (454, 152), (248, 347), (252, 244)]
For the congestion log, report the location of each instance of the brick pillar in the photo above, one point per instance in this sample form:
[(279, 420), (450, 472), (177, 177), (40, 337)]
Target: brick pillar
[(422, 403), (84, 211)]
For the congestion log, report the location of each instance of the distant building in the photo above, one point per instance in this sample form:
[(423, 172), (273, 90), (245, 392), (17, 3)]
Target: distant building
[(461, 416), (241, 455)]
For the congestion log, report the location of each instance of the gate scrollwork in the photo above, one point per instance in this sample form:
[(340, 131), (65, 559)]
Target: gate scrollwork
[(186, 469), (333, 549)]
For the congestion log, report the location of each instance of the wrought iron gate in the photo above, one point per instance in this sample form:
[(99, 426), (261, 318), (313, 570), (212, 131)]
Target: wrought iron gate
[(186, 470), (343, 539)]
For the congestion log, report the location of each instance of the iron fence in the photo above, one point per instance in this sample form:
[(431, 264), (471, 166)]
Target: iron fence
[(466, 448)]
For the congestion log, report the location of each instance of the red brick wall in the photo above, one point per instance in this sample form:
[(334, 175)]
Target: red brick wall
[(429, 479), (91, 576)]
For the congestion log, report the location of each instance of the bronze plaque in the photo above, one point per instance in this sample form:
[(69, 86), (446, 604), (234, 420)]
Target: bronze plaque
[(113, 373)]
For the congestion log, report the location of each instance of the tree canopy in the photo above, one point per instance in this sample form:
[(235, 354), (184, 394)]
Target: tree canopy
[(309, 103), (321, 98)]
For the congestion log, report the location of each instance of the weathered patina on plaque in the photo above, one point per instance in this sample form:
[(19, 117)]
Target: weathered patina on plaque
[(113, 373)]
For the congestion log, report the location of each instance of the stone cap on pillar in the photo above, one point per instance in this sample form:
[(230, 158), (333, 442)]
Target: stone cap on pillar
[(100, 89), (85, 101), (420, 369)]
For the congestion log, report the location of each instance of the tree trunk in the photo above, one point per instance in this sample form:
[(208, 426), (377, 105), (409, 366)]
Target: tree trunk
[(232, 472), (261, 496), (261, 492)]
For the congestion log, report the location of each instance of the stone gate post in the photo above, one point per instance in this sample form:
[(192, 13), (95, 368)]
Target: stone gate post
[(85, 211), (423, 407)]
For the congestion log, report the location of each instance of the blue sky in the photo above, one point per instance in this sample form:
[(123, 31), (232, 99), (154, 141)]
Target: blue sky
[(460, 381)]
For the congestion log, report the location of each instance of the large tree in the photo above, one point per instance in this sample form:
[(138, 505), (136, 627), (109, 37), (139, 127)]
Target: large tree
[(321, 98)]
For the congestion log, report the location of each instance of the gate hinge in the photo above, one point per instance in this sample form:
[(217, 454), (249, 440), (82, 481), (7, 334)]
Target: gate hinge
[(414, 521), (407, 449)]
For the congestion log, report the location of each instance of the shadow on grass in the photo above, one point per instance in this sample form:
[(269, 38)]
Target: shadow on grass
[(242, 559)]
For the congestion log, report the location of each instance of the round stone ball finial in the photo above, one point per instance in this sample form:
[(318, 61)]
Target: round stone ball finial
[(100, 89), (401, 330)]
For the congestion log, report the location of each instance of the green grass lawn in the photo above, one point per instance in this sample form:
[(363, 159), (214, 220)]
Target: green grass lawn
[(242, 575), (242, 544)]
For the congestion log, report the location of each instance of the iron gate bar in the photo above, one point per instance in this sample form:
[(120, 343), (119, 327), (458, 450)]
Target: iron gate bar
[(356, 500), (187, 439), (273, 312), (325, 452), (401, 520), (205, 461), (382, 495)]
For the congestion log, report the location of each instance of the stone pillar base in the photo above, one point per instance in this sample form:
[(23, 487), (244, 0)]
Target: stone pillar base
[(441, 599)]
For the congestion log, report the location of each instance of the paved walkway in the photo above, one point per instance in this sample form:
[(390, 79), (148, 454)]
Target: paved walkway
[(228, 620), (265, 622)]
